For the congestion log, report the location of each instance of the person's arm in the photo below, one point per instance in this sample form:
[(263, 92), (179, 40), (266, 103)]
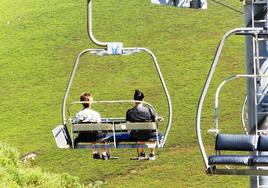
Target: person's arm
[(152, 113), (127, 115), (78, 117), (98, 117)]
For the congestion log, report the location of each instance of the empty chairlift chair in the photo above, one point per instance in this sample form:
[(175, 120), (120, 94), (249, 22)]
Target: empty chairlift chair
[(235, 154), (246, 143), (249, 145)]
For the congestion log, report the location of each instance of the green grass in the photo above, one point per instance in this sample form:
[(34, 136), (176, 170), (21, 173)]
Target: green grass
[(39, 43), (14, 173)]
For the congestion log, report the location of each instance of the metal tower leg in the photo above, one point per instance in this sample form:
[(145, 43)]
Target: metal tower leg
[(256, 63)]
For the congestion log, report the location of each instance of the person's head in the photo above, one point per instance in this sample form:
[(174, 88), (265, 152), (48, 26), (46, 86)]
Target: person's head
[(138, 96), (86, 97)]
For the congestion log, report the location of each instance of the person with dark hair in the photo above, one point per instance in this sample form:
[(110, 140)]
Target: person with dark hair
[(140, 113), (89, 115)]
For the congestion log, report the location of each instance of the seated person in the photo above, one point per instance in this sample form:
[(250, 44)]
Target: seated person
[(89, 115), (141, 113)]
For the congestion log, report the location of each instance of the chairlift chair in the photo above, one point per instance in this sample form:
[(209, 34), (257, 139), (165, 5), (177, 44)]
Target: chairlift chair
[(251, 162), (117, 128)]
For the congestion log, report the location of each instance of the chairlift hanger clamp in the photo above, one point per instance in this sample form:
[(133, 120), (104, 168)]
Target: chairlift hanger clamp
[(261, 32)]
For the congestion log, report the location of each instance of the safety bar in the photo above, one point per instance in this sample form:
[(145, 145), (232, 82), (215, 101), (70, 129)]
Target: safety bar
[(111, 102), (223, 83), (157, 70), (205, 89), (219, 90), (243, 115)]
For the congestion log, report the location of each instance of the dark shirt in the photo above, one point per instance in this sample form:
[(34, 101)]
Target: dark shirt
[(140, 114)]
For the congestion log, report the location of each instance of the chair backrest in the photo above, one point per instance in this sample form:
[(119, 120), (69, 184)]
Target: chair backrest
[(263, 143), (236, 142), (136, 126), (79, 127)]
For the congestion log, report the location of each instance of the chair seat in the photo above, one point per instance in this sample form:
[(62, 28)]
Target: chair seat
[(229, 159), (260, 160)]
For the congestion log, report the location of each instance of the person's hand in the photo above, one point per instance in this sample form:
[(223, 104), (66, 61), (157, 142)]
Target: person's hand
[(159, 119)]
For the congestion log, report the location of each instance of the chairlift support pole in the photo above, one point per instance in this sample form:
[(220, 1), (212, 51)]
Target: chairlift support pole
[(256, 48)]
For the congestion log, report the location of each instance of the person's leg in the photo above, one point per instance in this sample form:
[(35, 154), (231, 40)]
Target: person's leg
[(106, 152), (141, 151), (95, 151), (153, 139), (103, 152), (107, 149), (152, 150), (137, 136)]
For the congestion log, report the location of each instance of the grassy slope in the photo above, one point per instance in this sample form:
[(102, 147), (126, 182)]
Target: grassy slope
[(39, 42), (14, 173)]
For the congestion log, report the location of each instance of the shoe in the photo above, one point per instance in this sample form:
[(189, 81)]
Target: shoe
[(105, 156), (151, 157), (142, 156), (96, 156)]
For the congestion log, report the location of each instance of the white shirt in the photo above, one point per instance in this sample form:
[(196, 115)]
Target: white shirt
[(87, 115)]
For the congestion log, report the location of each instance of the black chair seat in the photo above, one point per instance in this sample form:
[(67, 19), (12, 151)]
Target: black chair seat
[(229, 159), (263, 143), (260, 160)]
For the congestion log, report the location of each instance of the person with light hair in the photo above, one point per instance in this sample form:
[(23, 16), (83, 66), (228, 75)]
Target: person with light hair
[(89, 115)]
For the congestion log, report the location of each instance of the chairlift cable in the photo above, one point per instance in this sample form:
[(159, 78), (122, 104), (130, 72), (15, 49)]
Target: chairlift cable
[(227, 6)]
